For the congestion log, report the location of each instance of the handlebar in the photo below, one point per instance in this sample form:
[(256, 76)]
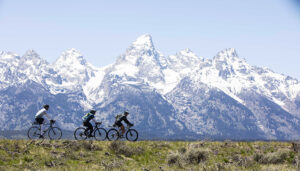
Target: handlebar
[(129, 126), (52, 122)]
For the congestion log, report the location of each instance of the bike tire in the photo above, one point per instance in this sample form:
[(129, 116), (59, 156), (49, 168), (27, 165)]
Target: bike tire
[(113, 134), (132, 135), (54, 133), (100, 134), (79, 134), (34, 132)]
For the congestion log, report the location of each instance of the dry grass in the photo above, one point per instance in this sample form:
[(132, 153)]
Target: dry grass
[(120, 148), (147, 155)]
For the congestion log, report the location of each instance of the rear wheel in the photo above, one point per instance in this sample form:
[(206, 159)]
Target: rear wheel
[(112, 134), (132, 135), (54, 133), (100, 134), (80, 134), (34, 132)]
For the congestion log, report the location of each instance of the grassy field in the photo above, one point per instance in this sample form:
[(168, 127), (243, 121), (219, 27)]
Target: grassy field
[(147, 155)]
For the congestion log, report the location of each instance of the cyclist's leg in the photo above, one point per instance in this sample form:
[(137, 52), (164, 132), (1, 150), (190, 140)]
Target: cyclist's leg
[(122, 130), (121, 127), (40, 121), (89, 129)]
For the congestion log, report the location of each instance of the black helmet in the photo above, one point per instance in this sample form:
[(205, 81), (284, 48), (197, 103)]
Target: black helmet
[(46, 106), (92, 111), (126, 113)]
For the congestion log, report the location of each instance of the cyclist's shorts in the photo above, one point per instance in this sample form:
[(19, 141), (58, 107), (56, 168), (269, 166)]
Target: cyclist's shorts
[(119, 124), (39, 120)]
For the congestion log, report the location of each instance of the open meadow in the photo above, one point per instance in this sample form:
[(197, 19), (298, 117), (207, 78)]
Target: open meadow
[(147, 155)]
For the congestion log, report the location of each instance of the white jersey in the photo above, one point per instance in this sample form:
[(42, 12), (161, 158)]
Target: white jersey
[(41, 113)]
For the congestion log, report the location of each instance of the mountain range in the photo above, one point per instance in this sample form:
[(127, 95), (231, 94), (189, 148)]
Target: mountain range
[(180, 96)]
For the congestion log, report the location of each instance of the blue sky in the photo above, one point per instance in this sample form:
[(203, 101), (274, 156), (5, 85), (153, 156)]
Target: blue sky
[(266, 33)]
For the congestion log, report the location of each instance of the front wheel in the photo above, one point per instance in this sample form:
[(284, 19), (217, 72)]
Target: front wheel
[(80, 134), (100, 134), (54, 133), (132, 135), (34, 133), (112, 134)]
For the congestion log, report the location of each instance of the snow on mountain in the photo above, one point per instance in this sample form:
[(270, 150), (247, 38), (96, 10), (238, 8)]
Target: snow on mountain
[(149, 111), (233, 75), (73, 69), (211, 113), (178, 66), (223, 97), (141, 60), (8, 64)]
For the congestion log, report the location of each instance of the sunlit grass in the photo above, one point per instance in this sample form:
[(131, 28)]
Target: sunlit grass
[(146, 155)]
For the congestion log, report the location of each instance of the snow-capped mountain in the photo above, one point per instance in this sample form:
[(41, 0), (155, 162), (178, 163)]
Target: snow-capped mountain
[(175, 96)]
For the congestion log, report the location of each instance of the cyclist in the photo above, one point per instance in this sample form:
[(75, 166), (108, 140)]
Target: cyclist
[(39, 117), (86, 122), (119, 119)]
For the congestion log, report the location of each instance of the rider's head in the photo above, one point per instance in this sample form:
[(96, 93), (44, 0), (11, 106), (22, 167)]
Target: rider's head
[(126, 113), (93, 112), (46, 106)]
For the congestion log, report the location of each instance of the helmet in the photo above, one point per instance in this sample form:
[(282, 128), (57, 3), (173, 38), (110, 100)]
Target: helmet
[(46, 106), (92, 111), (126, 113)]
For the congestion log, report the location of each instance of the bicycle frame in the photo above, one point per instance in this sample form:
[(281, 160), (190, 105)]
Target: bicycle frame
[(49, 125), (81, 132), (96, 126), (119, 129), (115, 134)]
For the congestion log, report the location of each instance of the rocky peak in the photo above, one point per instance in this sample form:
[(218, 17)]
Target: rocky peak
[(71, 57), (31, 57), (8, 56), (227, 53), (141, 52), (143, 42)]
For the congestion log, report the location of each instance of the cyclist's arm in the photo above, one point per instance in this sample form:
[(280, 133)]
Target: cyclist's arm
[(49, 118), (126, 121)]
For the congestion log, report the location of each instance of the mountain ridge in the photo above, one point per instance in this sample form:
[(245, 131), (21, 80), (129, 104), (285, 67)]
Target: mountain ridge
[(185, 93)]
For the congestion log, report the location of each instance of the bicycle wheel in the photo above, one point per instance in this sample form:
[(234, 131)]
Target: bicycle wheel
[(34, 132), (132, 135), (79, 134), (100, 134), (54, 133), (112, 134)]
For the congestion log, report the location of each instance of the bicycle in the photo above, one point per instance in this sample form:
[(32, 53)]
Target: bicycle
[(98, 133), (130, 134), (35, 132)]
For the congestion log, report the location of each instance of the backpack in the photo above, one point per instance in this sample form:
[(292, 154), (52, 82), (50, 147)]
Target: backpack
[(118, 117)]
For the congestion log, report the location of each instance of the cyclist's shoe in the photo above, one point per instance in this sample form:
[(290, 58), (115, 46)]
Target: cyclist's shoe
[(90, 136), (41, 136)]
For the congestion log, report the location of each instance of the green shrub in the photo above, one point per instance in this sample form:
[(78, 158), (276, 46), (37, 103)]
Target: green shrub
[(271, 158), (196, 156), (119, 147), (173, 158), (182, 150)]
